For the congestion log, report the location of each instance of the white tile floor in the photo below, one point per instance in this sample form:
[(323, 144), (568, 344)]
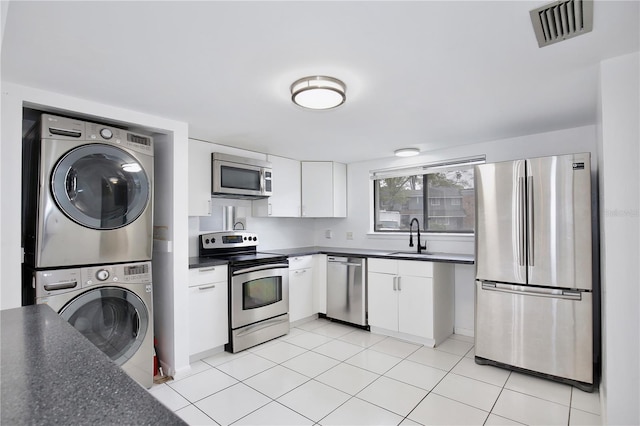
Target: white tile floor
[(331, 374)]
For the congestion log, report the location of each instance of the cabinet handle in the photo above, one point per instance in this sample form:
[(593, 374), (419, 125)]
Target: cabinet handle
[(399, 284), (395, 283), (301, 271), (269, 209), (206, 287), (207, 269)]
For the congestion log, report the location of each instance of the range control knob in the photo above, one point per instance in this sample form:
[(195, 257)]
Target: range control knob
[(106, 133), (102, 275)]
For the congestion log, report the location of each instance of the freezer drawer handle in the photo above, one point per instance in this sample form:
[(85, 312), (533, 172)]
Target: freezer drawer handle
[(554, 294)]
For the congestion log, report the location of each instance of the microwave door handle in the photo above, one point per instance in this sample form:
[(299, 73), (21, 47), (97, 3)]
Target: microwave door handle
[(262, 185)]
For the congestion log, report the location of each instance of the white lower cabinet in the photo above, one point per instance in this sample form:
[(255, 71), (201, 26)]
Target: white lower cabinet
[(413, 300), (301, 289), (208, 309)]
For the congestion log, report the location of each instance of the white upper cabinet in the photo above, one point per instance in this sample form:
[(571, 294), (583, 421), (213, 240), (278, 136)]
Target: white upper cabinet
[(200, 177), (324, 189), (285, 201)]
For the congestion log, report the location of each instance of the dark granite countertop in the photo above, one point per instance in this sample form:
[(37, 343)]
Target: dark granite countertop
[(385, 254), (51, 374), (467, 259), (203, 262)]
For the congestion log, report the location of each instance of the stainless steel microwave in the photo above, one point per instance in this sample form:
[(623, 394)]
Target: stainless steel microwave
[(239, 177)]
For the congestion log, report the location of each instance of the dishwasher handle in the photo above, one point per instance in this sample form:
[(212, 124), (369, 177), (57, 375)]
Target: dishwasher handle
[(347, 263), (344, 261)]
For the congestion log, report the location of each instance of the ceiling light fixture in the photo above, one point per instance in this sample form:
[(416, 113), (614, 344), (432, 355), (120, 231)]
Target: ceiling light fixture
[(318, 92), (406, 152)]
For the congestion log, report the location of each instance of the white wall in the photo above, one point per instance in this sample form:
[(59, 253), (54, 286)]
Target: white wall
[(618, 143), (170, 201)]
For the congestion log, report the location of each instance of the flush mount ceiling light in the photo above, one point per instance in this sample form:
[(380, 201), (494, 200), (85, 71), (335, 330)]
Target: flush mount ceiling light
[(406, 152), (318, 92)]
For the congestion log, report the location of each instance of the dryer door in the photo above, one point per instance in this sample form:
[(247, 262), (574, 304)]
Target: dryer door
[(100, 186), (114, 319)]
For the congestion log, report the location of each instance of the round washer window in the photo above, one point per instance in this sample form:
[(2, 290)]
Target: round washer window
[(100, 186), (113, 319)]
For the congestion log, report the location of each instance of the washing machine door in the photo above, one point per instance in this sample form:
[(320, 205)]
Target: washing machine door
[(114, 319), (100, 186)]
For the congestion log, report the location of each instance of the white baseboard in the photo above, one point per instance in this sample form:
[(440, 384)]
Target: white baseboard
[(464, 331)]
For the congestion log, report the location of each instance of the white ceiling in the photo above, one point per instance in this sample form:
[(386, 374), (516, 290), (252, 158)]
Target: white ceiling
[(425, 74)]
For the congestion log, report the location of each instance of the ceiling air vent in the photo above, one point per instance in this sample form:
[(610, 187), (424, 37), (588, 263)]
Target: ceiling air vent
[(561, 20)]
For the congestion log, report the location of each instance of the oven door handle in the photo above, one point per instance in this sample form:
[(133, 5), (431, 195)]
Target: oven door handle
[(261, 268)]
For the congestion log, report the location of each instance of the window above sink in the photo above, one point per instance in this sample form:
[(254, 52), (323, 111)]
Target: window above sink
[(440, 195)]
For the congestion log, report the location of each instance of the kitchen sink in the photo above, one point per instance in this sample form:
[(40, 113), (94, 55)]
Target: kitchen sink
[(411, 254)]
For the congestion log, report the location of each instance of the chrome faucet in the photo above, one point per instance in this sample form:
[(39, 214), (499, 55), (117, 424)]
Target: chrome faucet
[(420, 246)]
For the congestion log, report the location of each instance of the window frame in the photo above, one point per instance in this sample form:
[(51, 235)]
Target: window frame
[(421, 170)]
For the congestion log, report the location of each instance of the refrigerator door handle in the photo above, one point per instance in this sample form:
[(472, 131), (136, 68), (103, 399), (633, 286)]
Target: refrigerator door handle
[(530, 222), (521, 219), (538, 292)]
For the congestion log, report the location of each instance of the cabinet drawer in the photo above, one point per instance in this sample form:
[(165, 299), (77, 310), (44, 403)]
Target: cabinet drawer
[(415, 268), (384, 266), (300, 262), (210, 274)]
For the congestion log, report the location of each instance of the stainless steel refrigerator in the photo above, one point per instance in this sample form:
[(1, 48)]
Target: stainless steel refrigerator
[(534, 277)]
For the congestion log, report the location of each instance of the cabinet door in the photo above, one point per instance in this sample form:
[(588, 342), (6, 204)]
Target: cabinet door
[(300, 294), (415, 306), (285, 201), (317, 188), (383, 301), (324, 189), (208, 322), (199, 178)]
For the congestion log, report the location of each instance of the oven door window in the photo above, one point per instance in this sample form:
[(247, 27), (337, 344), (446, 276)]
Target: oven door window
[(261, 292), (240, 178)]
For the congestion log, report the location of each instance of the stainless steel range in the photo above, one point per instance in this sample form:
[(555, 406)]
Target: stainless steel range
[(258, 288)]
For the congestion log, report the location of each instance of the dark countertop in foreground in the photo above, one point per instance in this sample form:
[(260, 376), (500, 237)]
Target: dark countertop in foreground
[(467, 259), (51, 374)]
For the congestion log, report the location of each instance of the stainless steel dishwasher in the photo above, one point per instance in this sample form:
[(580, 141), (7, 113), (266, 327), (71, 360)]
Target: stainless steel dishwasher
[(347, 289)]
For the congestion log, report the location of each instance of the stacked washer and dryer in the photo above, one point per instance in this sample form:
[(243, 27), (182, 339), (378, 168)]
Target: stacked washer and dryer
[(87, 230)]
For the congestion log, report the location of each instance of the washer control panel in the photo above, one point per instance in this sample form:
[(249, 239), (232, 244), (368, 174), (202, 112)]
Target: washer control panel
[(58, 281), (125, 273)]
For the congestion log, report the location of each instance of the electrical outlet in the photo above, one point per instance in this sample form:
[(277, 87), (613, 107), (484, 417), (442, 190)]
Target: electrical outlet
[(349, 235), (328, 234)]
